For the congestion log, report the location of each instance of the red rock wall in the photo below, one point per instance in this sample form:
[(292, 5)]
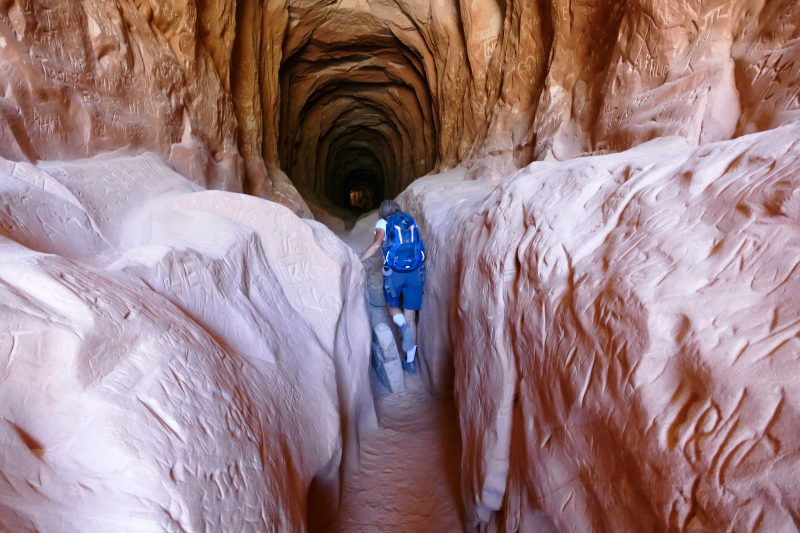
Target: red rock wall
[(503, 84), (617, 330), (80, 78), (609, 75), (251, 95)]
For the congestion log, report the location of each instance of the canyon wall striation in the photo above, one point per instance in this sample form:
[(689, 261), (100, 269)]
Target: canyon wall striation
[(272, 98), (611, 231)]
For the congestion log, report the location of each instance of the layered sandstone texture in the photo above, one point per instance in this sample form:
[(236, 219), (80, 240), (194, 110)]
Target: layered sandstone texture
[(334, 99), (171, 359), (624, 335), (82, 78), (611, 291)]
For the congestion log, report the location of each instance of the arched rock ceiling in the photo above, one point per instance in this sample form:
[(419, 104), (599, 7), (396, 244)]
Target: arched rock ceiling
[(360, 92), (361, 78), (497, 84), (268, 95)]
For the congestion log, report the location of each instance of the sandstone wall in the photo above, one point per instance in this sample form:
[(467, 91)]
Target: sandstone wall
[(618, 329), (605, 76), (266, 97), (80, 78), (551, 80), (623, 335), (168, 364)]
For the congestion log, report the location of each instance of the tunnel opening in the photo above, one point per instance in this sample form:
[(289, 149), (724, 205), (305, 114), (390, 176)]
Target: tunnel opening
[(355, 166), (361, 198), (363, 190), (357, 120)]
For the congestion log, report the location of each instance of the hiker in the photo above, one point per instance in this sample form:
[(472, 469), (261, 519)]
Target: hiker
[(403, 269)]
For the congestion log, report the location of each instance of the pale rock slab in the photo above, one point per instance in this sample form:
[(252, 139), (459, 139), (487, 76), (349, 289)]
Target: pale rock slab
[(623, 339), (172, 358), (386, 359)]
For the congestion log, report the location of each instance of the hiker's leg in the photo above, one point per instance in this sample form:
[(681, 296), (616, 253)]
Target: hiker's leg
[(392, 289), (393, 310), (411, 319), (391, 295), (412, 302), (408, 330)]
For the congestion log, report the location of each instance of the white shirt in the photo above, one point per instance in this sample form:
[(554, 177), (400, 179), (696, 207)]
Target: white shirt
[(381, 225)]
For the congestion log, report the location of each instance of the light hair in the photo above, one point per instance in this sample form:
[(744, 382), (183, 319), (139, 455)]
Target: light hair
[(388, 208)]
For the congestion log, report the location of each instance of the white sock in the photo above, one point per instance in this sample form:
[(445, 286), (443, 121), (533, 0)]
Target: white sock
[(411, 354), (399, 319)]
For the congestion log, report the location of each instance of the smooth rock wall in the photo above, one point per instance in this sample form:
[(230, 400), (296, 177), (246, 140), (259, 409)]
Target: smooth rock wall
[(172, 358), (624, 336)]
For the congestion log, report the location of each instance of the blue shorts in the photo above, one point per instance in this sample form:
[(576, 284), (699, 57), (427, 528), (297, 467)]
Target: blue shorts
[(407, 284)]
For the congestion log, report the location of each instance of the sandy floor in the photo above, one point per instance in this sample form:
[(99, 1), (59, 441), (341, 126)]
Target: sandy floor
[(409, 473)]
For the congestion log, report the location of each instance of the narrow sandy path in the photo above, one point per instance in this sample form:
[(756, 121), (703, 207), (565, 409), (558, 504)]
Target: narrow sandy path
[(409, 471), (408, 480)]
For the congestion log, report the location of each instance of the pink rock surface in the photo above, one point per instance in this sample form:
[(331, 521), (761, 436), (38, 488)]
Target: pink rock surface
[(87, 77), (82, 78), (172, 359), (623, 332)]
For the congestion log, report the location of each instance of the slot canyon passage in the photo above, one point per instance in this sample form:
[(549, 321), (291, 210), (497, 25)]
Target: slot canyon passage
[(609, 193)]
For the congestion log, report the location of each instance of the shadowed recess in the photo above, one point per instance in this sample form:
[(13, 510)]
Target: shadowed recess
[(356, 122)]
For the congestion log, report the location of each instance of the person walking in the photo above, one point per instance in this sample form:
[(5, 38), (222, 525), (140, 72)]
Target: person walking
[(403, 255)]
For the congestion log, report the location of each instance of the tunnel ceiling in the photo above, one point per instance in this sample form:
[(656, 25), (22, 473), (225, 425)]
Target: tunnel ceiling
[(355, 110), (238, 94)]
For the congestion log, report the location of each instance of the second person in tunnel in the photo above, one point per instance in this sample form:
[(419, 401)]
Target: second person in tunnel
[(403, 255)]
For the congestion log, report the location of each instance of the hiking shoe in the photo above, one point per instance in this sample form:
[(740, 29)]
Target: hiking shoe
[(408, 337)]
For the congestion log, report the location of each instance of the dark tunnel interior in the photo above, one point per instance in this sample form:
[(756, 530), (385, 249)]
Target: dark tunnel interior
[(357, 121)]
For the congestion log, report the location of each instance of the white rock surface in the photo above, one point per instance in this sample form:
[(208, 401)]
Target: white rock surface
[(171, 359), (624, 336)]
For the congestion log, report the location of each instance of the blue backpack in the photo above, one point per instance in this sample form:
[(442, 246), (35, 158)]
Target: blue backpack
[(403, 249)]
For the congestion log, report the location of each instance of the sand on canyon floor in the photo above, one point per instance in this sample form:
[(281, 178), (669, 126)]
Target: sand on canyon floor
[(408, 478)]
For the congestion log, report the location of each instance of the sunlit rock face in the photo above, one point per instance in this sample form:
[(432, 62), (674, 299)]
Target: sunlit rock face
[(168, 363), (624, 336), (624, 73)]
